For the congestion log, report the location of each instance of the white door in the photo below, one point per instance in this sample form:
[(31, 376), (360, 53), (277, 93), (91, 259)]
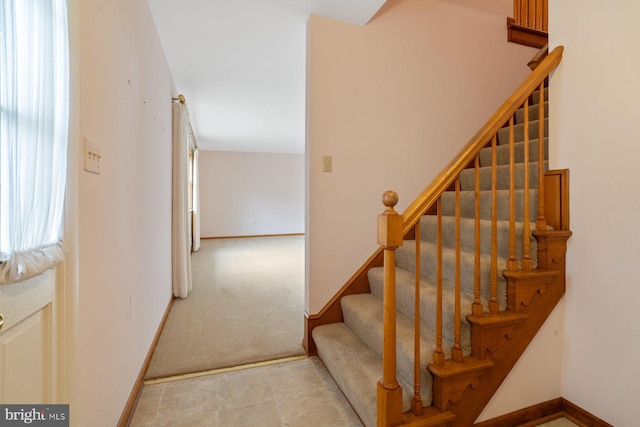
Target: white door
[(26, 357)]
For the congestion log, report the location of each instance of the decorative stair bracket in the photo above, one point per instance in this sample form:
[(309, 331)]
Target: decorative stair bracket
[(451, 380), (390, 237), (490, 331), (552, 247), (524, 285)]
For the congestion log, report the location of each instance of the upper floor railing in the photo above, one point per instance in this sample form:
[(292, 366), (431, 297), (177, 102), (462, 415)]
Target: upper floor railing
[(530, 23)]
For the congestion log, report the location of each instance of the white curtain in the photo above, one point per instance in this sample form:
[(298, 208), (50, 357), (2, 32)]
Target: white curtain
[(34, 86), (181, 235), (196, 202)]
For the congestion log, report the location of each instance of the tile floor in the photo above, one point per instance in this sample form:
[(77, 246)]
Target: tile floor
[(298, 393), (560, 422)]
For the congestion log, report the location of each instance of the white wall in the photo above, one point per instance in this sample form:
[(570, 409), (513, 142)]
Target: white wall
[(392, 102), (248, 194), (594, 96), (123, 247)]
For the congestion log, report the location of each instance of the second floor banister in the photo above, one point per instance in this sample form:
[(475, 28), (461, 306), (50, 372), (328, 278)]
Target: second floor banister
[(530, 23), (525, 208), (531, 14)]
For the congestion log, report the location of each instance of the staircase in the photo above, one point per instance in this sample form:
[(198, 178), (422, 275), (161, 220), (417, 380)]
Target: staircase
[(462, 267)]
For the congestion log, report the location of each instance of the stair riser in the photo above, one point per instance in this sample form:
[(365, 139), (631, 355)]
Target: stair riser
[(468, 177), (534, 111), (405, 302), (502, 153), (536, 95), (467, 204), (405, 258), (518, 132), (428, 233)]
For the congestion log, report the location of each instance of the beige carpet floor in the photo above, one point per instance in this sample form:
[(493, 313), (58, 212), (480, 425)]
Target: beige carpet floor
[(246, 306)]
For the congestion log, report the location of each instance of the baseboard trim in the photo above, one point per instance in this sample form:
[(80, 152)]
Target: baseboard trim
[(250, 236), (127, 413), (546, 411)]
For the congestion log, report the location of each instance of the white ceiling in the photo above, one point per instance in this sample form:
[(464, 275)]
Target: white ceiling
[(241, 66)]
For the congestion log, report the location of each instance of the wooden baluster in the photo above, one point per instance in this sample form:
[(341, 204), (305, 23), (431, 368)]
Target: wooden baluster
[(456, 352), (493, 302), (539, 15), (531, 18), (526, 233), (416, 403), (438, 354), (541, 223), (512, 263), (545, 15), (476, 307), (390, 238), (517, 14)]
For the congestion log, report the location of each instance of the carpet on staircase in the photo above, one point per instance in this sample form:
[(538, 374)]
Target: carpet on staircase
[(352, 350)]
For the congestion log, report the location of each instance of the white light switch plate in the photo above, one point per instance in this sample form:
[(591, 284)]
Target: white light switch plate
[(92, 156)]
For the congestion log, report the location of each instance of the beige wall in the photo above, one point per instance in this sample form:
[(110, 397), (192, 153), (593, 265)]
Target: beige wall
[(248, 194), (392, 102), (594, 97), (121, 219)]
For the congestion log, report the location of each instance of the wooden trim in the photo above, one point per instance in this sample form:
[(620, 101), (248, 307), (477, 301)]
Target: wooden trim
[(127, 413), (332, 311), (556, 198), (583, 416), (251, 236), (546, 411), (526, 36), (538, 57)]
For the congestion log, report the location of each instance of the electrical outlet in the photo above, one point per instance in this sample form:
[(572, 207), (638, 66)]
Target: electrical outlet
[(92, 156), (326, 164)]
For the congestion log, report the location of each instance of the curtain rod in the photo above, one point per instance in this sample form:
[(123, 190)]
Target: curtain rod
[(180, 99)]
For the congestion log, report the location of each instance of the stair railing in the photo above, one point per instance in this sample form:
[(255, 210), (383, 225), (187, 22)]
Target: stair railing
[(531, 14), (392, 228), (530, 23)]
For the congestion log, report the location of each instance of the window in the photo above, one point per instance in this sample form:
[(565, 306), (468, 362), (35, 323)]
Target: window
[(34, 122)]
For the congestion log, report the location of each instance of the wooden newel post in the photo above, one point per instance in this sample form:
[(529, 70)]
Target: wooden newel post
[(390, 238)]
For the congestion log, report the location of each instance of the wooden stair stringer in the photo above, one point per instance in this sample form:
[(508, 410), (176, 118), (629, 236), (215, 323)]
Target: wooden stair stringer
[(505, 355)]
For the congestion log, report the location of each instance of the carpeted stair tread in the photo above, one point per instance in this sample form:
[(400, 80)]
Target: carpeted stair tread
[(518, 132), (428, 233), (363, 315), (534, 111), (467, 177), (536, 95), (355, 368), (406, 258), (467, 204), (405, 290), (502, 153)]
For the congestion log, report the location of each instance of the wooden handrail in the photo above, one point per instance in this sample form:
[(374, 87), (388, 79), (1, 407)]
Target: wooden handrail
[(538, 57), (447, 176)]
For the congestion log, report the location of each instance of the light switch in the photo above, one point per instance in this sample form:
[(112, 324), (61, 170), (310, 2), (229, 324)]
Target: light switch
[(92, 156), (326, 163)]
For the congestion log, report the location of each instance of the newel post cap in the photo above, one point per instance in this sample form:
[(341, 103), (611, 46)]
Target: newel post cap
[(390, 222)]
